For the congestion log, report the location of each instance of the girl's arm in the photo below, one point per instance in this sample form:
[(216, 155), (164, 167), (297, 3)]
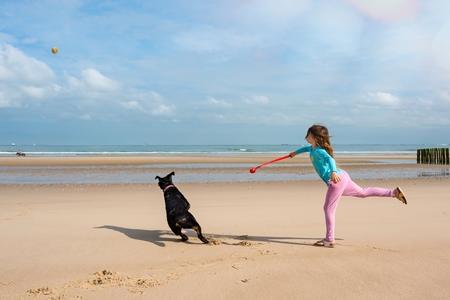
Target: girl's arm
[(300, 150), (332, 163)]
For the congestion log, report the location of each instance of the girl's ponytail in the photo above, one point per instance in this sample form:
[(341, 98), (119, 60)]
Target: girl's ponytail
[(326, 145)]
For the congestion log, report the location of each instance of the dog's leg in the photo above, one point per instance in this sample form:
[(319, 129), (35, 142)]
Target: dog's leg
[(177, 230), (184, 237), (198, 229)]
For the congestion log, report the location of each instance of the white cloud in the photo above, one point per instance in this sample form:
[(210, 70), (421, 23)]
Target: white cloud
[(15, 65), (218, 102), (91, 87), (257, 100), (150, 103), (34, 91), (163, 110), (73, 82), (97, 81), (23, 78), (132, 105), (266, 118), (383, 98)]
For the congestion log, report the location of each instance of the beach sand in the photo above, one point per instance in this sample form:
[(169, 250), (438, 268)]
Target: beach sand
[(113, 241)]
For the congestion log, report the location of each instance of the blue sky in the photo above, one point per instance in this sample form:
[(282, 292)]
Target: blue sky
[(224, 72)]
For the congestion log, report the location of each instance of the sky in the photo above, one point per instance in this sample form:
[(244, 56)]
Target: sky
[(224, 72)]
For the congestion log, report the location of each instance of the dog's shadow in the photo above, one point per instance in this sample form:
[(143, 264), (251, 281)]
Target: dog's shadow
[(160, 237)]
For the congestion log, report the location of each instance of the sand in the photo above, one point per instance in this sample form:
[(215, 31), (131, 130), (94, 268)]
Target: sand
[(113, 242)]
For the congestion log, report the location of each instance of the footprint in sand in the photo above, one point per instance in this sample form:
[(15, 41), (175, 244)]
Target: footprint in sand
[(267, 252), (115, 279), (46, 291), (382, 249), (104, 278), (244, 243), (108, 278), (214, 242)]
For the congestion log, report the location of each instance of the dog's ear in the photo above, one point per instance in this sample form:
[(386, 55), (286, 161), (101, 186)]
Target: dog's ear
[(157, 178), (172, 174)]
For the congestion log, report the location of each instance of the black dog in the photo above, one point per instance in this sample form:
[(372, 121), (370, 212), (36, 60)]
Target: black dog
[(177, 209)]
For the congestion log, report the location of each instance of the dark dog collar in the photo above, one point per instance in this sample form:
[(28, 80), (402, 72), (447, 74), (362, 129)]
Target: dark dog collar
[(167, 187)]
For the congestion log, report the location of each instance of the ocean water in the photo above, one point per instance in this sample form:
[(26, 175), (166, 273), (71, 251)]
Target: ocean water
[(132, 150)]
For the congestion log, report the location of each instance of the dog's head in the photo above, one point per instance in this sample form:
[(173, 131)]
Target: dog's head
[(163, 182)]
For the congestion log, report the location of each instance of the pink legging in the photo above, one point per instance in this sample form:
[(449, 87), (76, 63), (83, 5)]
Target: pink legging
[(346, 187)]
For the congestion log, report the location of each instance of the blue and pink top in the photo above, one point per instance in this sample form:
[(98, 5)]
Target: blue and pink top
[(323, 163)]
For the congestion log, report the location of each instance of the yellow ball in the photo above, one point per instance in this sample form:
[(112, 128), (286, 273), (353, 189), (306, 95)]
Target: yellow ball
[(54, 50)]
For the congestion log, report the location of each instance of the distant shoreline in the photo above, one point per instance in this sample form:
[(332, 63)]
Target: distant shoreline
[(152, 154), (201, 150)]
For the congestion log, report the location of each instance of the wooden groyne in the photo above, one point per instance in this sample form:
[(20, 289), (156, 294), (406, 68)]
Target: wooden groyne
[(435, 156)]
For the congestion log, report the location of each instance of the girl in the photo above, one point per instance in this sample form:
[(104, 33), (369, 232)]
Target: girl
[(338, 181)]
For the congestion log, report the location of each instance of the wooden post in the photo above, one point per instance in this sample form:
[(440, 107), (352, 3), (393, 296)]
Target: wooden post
[(440, 156)]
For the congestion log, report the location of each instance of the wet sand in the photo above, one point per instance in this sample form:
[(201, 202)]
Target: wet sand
[(209, 169), (172, 159)]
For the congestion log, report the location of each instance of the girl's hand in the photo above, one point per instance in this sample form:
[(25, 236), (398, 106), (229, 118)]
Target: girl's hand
[(335, 177), (292, 154)]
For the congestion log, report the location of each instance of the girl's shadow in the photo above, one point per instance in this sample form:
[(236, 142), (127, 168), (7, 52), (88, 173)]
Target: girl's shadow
[(159, 237)]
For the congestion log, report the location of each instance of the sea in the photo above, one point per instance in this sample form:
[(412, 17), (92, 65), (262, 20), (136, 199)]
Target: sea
[(136, 150), (200, 172)]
